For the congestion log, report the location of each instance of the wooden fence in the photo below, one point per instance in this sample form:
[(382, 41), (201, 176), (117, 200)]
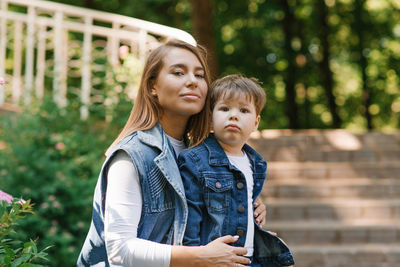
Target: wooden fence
[(37, 37)]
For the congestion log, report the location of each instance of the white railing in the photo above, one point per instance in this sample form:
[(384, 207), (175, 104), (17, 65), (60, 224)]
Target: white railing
[(37, 37)]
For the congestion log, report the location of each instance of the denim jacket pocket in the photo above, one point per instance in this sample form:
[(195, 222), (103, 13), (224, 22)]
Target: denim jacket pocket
[(217, 192), (160, 196)]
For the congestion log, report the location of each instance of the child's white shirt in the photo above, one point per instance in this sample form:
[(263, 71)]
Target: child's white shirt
[(243, 164)]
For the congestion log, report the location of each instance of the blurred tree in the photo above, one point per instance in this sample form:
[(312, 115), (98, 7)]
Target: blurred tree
[(327, 63), (326, 72), (360, 29), (290, 79), (203, 30)]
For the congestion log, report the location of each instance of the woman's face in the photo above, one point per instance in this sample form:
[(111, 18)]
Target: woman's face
[(180, 86)]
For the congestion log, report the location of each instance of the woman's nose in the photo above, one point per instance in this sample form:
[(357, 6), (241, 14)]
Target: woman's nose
[(191, 80)]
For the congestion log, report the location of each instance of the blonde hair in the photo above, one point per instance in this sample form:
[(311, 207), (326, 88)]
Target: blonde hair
[(146, 110), (233, 86)]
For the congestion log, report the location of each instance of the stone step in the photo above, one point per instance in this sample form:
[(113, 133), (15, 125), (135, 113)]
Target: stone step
[(332, 188), (337, 209), (331, 232), (333, 170), (339, 139), (321, 154), (352, 255)]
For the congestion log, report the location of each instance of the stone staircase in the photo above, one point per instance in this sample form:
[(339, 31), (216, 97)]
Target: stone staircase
[(334, 196)]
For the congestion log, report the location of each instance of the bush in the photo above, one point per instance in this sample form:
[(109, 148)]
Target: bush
[(52, 157), (14, 252)]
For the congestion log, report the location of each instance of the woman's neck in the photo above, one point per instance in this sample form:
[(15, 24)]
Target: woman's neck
[(174, 126)]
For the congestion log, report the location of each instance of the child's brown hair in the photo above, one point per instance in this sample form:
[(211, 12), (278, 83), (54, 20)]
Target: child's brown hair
[(232, 86)]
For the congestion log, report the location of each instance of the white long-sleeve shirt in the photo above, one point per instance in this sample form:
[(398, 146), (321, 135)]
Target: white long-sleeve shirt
[(122, 214)]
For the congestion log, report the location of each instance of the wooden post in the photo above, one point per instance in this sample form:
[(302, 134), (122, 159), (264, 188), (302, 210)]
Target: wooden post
[(86, 70), (17, 63), (59, 79), (113, 46), (142, 45), (41, 62), (30, 45), (3, 42)]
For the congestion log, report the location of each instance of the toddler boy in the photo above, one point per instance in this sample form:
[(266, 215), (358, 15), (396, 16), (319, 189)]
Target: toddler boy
[(223, 176)]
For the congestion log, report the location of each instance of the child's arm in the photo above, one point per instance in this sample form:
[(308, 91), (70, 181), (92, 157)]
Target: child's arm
[(194, 195)]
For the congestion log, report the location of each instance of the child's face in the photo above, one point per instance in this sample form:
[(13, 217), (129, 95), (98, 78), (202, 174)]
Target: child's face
[(233, 120)]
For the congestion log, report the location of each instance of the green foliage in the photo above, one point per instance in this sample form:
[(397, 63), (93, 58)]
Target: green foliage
[(13, 251), (51, 156)]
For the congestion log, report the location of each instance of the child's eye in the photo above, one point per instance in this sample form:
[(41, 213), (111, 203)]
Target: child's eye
[(244, 110), (224, 108)]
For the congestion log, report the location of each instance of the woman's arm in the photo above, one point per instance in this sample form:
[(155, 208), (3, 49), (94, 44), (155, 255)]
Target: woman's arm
[(122, 215)]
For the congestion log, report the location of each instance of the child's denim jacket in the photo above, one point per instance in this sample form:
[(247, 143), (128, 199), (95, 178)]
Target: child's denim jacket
[(164, 208), (216, 194)]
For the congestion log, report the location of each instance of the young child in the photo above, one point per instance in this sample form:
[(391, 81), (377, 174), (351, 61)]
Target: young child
[(223, 176)]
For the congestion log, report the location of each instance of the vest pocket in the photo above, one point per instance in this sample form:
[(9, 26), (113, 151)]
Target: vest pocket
[(217, 192), (161, 194)]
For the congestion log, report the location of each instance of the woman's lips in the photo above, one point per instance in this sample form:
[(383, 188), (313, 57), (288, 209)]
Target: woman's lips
[(191, 96)]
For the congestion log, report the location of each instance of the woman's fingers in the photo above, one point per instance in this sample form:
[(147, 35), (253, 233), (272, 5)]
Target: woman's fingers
[(240, 251), (242, 260), (228, 239)]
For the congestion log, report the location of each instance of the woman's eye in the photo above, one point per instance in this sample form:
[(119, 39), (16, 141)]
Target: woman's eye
[(178, 73), (201, 76)]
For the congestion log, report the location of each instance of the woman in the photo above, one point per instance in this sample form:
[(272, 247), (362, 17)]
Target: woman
[(139, 204)]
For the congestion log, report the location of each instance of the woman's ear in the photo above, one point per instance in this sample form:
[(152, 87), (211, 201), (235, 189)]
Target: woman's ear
[(153, 92)]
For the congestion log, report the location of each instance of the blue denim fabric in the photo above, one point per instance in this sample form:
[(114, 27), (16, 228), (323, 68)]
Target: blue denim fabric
[(164, 209), (217, 201)]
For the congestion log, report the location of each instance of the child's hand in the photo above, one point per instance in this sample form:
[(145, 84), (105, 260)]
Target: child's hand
[(260, 211)]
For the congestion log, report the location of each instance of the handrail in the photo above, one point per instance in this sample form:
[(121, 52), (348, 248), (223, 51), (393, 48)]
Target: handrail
[(44, 27)]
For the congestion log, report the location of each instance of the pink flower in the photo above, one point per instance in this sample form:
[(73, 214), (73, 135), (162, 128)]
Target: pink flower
[(21, 201), (2, 82), (123, 51), (60, 145), (5, 197)]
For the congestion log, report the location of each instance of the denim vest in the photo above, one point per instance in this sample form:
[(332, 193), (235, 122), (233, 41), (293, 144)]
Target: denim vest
[(164, 208), (217, 198)]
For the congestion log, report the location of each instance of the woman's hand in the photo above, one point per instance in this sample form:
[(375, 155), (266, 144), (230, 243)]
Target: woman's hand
[(260, 211), (219, 253), (216, 254)]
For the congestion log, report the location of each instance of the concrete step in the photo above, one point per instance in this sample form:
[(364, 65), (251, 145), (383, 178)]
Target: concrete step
[(333, 170), (352, 255), (333, 209), (339, 139), (371, 231), (323, 154), (332, 188)]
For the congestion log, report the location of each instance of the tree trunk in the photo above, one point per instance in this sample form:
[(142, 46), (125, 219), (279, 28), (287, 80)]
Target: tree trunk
[(202, 12), (291, 106), (303, 73), (359, 27), (327, 78)]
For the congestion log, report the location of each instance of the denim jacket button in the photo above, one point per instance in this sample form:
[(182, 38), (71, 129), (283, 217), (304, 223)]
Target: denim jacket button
[(240, 185), (240, 232), (218, 185), (241, 209)]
